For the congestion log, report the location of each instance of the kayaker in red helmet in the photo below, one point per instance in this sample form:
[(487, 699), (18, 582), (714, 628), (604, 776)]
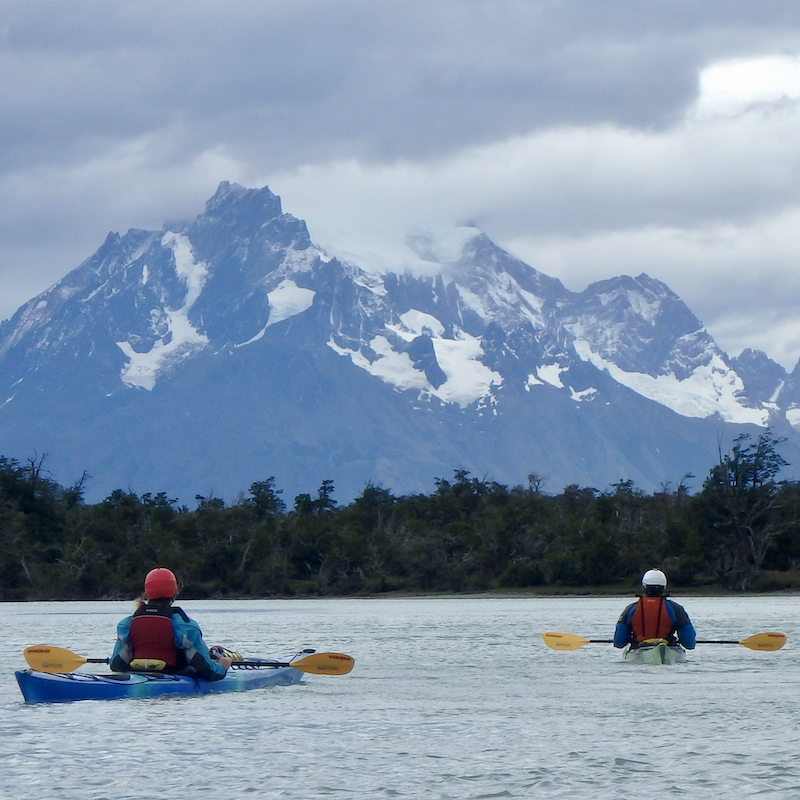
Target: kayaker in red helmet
[(653, 616), (159, 636)]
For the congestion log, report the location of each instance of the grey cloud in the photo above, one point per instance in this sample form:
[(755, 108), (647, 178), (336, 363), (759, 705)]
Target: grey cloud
[(118, 115), (286, 83)]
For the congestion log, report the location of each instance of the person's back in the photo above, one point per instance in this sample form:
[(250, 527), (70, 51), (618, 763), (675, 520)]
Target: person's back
[(152, 636), (654, 617), (159, 636)]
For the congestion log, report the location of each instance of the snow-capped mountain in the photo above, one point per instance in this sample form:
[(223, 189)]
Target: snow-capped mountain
[(206, 356)]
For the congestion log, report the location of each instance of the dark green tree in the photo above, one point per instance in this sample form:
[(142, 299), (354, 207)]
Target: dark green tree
[(738, 506)]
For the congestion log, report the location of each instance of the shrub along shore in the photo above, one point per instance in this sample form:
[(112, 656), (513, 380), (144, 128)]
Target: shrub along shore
[(739, 532)]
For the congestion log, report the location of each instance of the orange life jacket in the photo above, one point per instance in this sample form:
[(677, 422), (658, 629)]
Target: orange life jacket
[(151, 635), (650, 619)]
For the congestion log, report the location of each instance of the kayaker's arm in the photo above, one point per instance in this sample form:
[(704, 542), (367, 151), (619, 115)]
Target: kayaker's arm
[(687, 636), (684, 629), (122, 654), (623, 633), (189, 638)]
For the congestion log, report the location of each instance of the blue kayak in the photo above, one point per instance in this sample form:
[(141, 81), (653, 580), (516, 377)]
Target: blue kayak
[(45, 687)]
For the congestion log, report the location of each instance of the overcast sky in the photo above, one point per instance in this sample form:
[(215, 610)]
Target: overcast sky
[(591, 138)]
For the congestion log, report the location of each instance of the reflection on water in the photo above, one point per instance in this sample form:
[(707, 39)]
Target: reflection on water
[(450, 698)]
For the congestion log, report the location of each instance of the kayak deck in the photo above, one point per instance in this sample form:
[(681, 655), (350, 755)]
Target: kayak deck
[(43, 687), (655, 654)]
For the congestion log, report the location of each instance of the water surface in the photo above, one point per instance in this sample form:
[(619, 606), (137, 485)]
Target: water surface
[(453, 698)]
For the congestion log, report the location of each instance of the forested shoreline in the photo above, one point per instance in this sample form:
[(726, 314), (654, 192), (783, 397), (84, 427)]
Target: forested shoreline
[(740, 531)]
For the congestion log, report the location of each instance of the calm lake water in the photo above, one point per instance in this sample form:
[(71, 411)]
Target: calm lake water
[(449, 698)]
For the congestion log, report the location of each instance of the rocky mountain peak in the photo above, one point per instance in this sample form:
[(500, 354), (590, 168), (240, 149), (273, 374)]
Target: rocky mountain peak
[(232, 347)]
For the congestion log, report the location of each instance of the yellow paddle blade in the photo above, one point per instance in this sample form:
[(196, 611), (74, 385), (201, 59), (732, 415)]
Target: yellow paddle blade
[(765, 641), (325, 664), (46, 658), (564, 641)]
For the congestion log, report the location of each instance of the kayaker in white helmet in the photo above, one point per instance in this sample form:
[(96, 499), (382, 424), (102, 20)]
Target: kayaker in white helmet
[(653, 616), (160, 637)]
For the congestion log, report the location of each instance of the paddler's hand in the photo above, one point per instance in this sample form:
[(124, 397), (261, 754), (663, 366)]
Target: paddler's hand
[(218, 654)]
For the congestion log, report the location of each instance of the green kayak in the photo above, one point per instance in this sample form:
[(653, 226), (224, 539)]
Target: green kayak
[(660, 653)]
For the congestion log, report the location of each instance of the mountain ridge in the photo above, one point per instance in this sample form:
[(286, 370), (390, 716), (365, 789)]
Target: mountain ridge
[(216, 352)]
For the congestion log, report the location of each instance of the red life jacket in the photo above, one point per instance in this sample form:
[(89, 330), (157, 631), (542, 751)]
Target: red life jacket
[(650, 619), (151, 634)]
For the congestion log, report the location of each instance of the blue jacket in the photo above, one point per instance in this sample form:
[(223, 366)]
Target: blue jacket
[(188, 638), (682, 629)]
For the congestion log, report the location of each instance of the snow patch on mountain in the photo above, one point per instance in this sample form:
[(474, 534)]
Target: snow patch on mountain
[(551, 373), (585, 394), (394, 368), (182, 339), (286, 300), (472, 301), (417, 323), (532, 380), (468, 380), (193, 273), (535, 303), (711, 388)]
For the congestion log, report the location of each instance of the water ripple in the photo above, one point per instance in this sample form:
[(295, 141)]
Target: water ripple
[(450, 699)]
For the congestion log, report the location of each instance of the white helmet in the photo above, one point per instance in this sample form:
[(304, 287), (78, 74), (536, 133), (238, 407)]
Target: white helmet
[(654, 577)]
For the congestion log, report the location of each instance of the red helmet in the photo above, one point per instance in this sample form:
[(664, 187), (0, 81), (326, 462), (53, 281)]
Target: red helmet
[(160, 584)]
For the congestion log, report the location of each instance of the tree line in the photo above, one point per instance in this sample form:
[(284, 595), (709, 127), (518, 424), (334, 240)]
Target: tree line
[(740, 531)]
